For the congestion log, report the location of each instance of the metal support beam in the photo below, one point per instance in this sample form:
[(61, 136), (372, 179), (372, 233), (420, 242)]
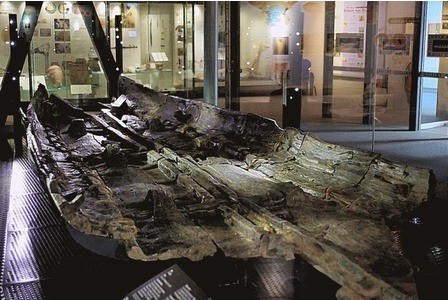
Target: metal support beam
[(211, 55), (20, 40), (14, 85), (101, 44), (20, 36), (119, 43), (370, 64), (233, 68), (327, 90), (415, 121)]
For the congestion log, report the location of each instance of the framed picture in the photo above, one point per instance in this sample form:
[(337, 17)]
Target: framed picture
[(61, 24), (350, 42), (63, 8), (280, 69), (45, 32), (50, 7), (62, 48), (280, 45), (397, 43), (62, 36), (130, 15)]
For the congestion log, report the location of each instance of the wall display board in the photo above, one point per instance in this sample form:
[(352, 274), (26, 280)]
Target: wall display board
[(397, 43), (350, 43)]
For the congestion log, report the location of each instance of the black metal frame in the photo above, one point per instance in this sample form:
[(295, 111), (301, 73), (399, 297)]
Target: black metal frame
[(233, 69), (99, 40), (20, 40), (119, 43), (327, 90), (414, 104)]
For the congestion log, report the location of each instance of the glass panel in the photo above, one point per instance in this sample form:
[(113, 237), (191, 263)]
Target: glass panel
[(222, 36), (192, 45), (314, 38), (270, 56), (63, 56), (394, 43), (360, 71), (334, 51), (162, 43), (434, 87), (137, 22), (221, 45), (349, 61)]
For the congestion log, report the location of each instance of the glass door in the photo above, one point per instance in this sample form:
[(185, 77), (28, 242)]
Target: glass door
[(434, 65), (361, 54)]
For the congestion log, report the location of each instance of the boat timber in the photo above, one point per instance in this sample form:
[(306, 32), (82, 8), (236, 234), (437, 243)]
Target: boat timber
[(165, 177)]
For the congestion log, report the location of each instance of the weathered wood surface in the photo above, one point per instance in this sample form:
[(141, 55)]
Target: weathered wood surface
[(171, 177)]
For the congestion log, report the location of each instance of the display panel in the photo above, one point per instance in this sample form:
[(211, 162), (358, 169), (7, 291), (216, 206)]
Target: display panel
[(162, 43), (63, 57)]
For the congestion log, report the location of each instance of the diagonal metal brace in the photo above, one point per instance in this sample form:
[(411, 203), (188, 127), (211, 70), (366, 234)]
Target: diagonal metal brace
[(20, 40), (101, 44)]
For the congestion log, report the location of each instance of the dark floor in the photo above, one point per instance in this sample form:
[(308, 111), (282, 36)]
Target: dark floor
[(41, 260)]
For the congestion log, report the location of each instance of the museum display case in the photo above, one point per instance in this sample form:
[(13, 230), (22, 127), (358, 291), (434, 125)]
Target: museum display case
[(353, 61), (63, 56), (162, 43)]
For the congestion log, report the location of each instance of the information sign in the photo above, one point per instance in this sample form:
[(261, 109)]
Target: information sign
[(170, 284)]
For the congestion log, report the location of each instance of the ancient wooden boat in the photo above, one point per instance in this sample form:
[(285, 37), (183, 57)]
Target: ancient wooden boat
[(166, 177)]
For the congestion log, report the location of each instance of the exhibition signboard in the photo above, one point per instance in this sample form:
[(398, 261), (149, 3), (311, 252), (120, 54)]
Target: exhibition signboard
[(437, 45)]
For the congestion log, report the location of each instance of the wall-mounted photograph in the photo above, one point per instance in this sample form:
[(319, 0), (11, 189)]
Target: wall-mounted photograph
[(280, 45), (62, 36), (45, 32), (61, 24), (350, 42), (62, 48)]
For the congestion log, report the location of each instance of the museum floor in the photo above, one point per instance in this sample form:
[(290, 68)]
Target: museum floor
[(41, 259)]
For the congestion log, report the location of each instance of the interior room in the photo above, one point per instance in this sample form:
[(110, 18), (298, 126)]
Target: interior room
[(219, 149)]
